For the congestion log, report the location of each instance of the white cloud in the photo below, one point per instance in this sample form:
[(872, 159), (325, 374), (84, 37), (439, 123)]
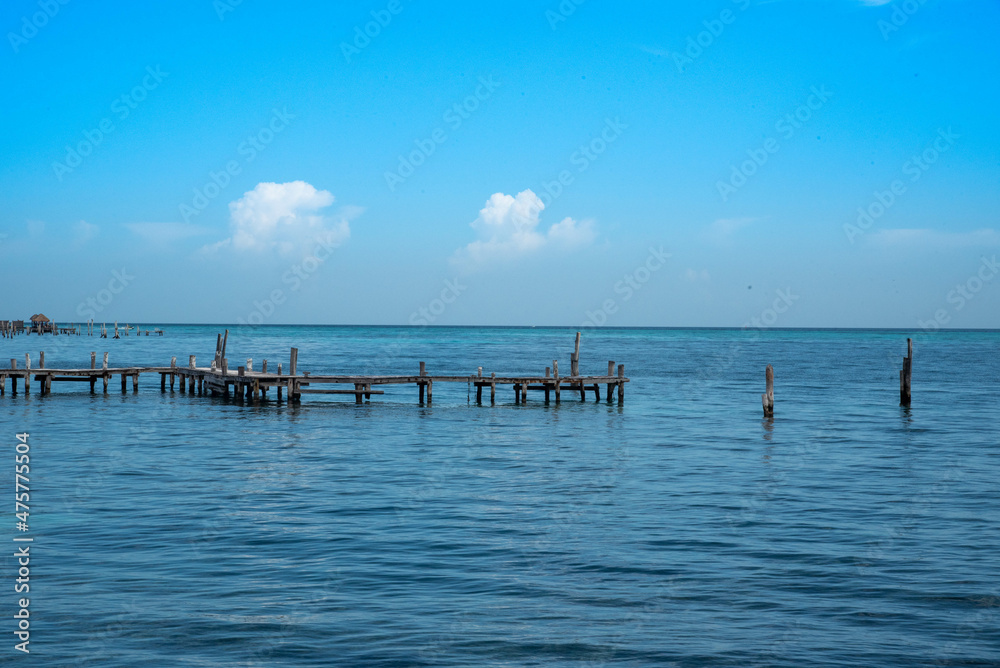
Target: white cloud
[(936, 238), (570, 233), (84, 232), (694, 276), (165, 233), (508, 228), (723, 229), (284, 217)]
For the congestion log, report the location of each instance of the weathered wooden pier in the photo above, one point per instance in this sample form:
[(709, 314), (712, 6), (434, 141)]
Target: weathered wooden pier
[(246, 384)]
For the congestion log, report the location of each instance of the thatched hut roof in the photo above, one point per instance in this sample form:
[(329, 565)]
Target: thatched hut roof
[(39, 317)]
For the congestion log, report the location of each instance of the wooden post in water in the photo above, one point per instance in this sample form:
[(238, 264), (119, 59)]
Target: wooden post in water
[(293, 361), (611, 386), (421, 383), (548, 374), (621, 384), (104, 364), (191, 359), (905, 375), (493, 388), (225, 340), (479, 385), (574, 367), (93, 360), (767, 399), (41, 360), (555, 374), (173, 368)]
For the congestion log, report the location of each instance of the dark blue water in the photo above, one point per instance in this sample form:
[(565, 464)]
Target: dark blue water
[(678, 529)]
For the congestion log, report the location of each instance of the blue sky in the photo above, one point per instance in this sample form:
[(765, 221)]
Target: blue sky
[(794, 163)]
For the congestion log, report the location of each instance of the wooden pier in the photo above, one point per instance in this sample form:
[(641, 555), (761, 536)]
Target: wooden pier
[(244, 383)]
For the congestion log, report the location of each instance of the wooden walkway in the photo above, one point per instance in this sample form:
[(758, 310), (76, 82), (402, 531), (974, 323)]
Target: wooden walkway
[(246, 384)]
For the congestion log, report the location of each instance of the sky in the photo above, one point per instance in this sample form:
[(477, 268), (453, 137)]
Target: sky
[(728, 163)]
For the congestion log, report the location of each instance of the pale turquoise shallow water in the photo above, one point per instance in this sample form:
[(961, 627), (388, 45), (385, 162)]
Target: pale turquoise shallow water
[(679, 529)]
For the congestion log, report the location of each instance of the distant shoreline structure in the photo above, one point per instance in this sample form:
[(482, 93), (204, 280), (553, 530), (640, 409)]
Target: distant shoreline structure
[(40, 324)]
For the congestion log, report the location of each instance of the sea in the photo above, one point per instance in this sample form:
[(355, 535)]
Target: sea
[(678, 528)]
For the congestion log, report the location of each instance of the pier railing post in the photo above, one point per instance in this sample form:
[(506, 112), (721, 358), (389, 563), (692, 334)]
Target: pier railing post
[(104, 364), (173, 372), (41, 360), (548, 374), (768, 397), (293, 362), (191, 359), (93, 360)]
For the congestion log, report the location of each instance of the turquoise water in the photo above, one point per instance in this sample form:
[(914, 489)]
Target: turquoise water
[(680, 528)]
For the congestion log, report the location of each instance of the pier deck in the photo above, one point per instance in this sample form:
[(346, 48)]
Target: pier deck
[(246, 384)]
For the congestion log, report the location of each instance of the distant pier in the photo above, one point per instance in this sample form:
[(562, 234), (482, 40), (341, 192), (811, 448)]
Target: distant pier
[(246, 384)]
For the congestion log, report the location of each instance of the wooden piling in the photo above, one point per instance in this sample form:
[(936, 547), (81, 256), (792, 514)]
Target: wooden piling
[(105, 362), (173, 367), (41, 360), (93, 360), (905, 375), (621, 384), (767, 399), (548, 374), (493, 388), (574, 368), (555, 374)]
